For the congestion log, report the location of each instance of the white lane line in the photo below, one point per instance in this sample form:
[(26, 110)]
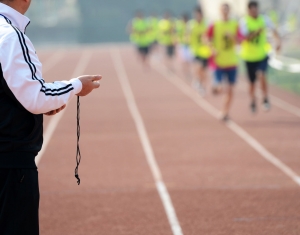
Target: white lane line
[(140, 126), (187, 90), (79, 69), (53, 60), (264, 152)]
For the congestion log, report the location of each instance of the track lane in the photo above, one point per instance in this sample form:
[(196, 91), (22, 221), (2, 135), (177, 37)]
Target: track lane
[(278, 130), (233, 126), (286, 96), (199, 156), (148, 150), (203, 196), (117, 194)]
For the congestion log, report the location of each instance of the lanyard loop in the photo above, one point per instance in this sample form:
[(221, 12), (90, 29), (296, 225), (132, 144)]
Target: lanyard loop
[(78, 154)]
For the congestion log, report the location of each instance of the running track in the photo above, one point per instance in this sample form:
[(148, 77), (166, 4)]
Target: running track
[(156, 161)]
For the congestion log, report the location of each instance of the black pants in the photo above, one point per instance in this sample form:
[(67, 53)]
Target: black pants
[(19, 202), (143, 50)]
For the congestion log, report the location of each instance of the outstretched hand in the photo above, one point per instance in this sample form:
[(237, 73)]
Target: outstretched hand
[(89, 83), (56, 111)]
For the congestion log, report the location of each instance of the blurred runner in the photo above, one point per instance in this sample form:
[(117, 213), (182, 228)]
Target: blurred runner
[(254, 28), (153, 33), (139, 30), (183, 44), (223, 36), (167, 37), (200, 50)]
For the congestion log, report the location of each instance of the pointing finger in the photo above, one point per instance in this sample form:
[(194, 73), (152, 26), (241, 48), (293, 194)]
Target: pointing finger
[(96, 78)]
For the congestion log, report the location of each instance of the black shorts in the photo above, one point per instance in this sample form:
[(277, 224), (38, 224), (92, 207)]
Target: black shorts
[(19, 201), (254, 67), (202, 61), (170, 51), (143, 50), (154, 43)]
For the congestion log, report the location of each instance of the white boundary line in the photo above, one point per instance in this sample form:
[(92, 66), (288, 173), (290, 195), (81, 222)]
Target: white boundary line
[(140, 126), (79, 69), (175, 80)]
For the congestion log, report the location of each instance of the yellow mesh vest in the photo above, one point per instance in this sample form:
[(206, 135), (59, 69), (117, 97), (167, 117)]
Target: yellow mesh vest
[(140, 35), (197, 30), (224, 45), (166, 32), (153, 33), (255, 50), (181, 29)]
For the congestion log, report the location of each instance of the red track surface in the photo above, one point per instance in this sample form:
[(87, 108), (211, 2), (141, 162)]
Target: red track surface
[(217, 182)]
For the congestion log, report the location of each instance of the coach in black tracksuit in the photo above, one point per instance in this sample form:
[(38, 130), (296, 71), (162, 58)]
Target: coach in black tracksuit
[(24, 98)]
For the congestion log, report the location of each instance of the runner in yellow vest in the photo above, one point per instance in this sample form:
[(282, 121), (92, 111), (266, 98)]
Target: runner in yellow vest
[(183, 44), (153, 33), (167, 38), (182, 30), (200, 49), (254, 28), (223, 36), (139, 35)]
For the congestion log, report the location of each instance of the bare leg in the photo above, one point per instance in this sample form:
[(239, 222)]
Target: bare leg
[(264, 84), (169, 62), (252, 96), (252, 92), (227, 100), (144, 59), (196, 68), (184, 62), (199, 73), (264, 87), (199, 80), (184, 69), (203, 76), (169, 59), (155, 51), (138, 55)]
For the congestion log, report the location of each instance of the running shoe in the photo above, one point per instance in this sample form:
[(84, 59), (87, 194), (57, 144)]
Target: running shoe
[(225, 118), (266, 105), (201, 90), (195, 85), (253, 107)]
